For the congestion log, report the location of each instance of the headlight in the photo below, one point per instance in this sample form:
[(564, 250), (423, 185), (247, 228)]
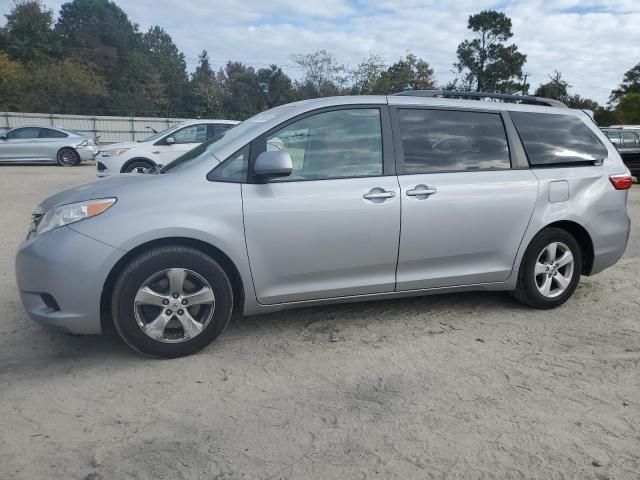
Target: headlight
[(73, 212), (115, 152), (84, 143)]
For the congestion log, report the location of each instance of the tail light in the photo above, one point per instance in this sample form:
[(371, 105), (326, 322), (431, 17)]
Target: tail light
[(621, 182)]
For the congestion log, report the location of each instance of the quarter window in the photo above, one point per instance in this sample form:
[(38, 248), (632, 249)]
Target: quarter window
[(234, 169), (561, 139), (452, 141), (50, 133), (337, 144)]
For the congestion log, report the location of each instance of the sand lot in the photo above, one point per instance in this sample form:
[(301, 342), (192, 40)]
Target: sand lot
[(455, 386)]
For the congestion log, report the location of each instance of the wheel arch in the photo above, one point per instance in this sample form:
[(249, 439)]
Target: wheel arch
[(212, 251), (583, 238), (68, 147), (137, 159)]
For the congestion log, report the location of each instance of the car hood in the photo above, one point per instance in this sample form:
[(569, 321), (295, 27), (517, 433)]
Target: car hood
[(106, 188), (113, 146)]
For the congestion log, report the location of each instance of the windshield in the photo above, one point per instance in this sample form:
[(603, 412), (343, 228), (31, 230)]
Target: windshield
[(220, 140), (156, 136)]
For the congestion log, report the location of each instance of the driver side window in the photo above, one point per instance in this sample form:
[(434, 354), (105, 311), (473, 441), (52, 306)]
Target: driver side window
[(23, 133), (337, 144)]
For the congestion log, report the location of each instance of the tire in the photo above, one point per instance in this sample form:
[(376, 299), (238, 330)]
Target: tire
[(67, 157), (137, 165), (562, 280), (143, 295)]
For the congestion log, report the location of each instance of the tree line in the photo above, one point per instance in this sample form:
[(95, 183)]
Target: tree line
[(94, 60)]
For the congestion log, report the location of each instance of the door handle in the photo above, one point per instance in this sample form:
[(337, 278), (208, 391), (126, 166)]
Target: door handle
[(378, 195), (421, 191)]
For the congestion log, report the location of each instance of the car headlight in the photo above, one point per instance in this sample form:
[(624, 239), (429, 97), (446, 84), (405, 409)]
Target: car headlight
[(84, 143), (72, 213), (114, 153)]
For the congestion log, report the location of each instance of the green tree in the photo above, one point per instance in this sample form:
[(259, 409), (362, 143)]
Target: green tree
[(367, 74), (605, 116), (28, 35), (99, 33), (63, 86), (205, 93), (485, 62), (630, 84), (243, 95), (556, 88), (11, 87), (322, 75), (408, 73), (275, 86), (629, 109), (169, 64)]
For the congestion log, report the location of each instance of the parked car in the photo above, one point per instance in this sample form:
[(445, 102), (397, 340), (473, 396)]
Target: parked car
[(46, 144), (627, 141), (359, 198), (160, 148)]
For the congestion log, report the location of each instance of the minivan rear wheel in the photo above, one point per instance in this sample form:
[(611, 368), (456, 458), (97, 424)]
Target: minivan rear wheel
[(550, 269), (171, 302)]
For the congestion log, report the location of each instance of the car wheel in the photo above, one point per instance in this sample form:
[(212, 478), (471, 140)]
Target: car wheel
[(138, 166), (550, 269), (67, 157), (171, 301)]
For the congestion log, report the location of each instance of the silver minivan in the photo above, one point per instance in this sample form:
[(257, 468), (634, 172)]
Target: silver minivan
[(333, 200)]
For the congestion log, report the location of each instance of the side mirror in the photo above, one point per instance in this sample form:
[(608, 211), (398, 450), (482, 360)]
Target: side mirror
[(273, 164), (3, 137), (169, 140)]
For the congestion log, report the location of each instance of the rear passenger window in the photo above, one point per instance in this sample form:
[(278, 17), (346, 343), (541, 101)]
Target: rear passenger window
[(557, 139), (50, 133), (452, 141)]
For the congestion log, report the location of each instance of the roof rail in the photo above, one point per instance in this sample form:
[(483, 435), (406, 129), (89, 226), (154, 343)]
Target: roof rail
[(504, 97)]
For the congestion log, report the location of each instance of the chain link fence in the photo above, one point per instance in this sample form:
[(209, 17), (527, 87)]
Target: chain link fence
[(108, 129)]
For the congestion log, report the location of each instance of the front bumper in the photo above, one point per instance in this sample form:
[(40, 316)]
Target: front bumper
[(69, 268)]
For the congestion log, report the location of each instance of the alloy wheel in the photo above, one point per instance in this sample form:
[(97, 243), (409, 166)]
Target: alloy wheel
[(554, 269), (174, 305)]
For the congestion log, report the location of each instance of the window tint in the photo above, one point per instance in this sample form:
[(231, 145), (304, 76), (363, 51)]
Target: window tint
[(27, 132), (557, 139), (337, 144), (613, 136), (234, 169), (191, 134), (451, 141), (629, 139), (50, 133)]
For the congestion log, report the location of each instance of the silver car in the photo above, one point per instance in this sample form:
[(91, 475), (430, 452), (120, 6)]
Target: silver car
[(46, 144), (333, 200)]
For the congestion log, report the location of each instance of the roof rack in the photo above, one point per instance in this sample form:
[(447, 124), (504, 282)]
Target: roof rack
[(504, 97)]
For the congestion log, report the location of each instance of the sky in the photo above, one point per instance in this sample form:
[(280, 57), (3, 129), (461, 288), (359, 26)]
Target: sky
[(593, 43)]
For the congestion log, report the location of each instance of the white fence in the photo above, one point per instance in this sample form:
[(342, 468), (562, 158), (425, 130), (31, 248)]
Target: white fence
[(109, 129)]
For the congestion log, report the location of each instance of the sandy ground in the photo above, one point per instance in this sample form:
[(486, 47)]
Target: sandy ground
[(455, 386)]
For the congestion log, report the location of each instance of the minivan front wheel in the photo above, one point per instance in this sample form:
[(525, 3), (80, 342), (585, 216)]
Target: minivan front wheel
[(550, 270), (171, 301)]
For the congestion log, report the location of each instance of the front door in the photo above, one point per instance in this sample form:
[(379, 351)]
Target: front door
[(464, 210), (21, 145), (330, 229)]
